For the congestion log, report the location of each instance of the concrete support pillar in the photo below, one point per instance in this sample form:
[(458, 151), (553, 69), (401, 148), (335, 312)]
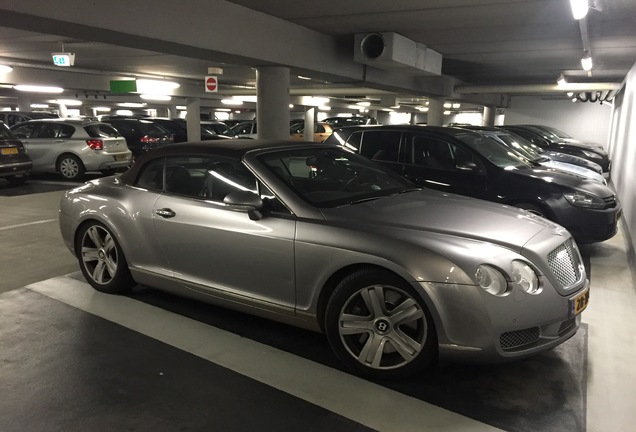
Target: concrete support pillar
[(172, 111), (413, 119), (24, 103), (488, 117), (310, 120), (435, 112), (63, 110), (272, 105), (193, 118)]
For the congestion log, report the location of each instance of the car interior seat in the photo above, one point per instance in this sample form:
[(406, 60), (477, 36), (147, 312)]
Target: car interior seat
[(178, 180)]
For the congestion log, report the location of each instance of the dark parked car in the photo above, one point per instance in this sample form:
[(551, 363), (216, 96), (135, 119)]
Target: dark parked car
[(11, 118), (350, 121), (464, 162), (319, 237), (141, 135), (551, 142), (210, 130), (15, 163)]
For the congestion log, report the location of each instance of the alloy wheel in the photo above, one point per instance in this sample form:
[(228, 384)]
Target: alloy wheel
[(99, 254)]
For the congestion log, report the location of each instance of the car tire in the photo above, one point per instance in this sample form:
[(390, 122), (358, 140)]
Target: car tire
[(101, 259), (534, 209), (374, 309), (70, 167), (17, 180)]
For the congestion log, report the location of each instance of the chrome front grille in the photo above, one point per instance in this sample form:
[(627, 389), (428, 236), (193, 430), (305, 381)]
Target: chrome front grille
[(610, 201), (519, 338), (565, 263)]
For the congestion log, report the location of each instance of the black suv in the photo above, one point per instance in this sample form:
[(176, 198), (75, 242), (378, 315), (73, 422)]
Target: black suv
[(464, 162), (141, 134), (547, 139)]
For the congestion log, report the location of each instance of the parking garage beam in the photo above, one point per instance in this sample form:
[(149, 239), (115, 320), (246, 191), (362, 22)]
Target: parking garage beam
[(272, 103)]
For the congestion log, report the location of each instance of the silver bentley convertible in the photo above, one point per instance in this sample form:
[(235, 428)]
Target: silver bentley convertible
[(316, 236)]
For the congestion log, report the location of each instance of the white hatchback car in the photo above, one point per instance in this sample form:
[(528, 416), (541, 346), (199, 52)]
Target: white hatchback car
[(71, 147)]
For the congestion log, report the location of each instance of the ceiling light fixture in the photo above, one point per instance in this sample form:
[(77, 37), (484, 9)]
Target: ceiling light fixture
[(579, 8), (5, 69), (586, 63), (36, 105), (102, 108), (364, 104), (68, 102), (154, 97), (231, 102), (147, 86), (132, 105), (38, 89), (303, 77)]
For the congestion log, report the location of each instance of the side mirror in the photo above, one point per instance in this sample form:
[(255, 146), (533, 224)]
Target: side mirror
[(246, 202)]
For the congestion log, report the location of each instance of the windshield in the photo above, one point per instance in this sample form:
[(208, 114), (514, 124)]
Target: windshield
[(331, 177), (556, 132), (519, 144), (495, 151)]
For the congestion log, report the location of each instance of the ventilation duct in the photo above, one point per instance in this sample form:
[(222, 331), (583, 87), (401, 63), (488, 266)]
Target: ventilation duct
[(394, 51)]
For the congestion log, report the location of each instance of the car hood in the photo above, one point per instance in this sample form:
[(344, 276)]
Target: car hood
[(443, 213), (571, 142), (568, 181)]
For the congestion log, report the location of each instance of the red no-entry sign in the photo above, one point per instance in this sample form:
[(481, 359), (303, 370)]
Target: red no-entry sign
[(211, 84)]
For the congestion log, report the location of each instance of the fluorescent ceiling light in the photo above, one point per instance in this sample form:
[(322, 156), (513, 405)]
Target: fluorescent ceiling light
[(586, 63), (364, 104), (131, 105), (124, 112), (105, 109), (579, 8), (447, 112), (232, 102), (304, 77), (5, 69), (324, 108), (182, 107), (36, 105), (314, 101), (456, 106), (38, 89), (246, 98), (223, 109), (448, 105), (422, 108), (68, 102), (155, 97), (291, 105), (155, 86)]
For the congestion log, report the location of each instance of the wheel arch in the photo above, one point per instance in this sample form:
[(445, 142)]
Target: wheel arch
[(542, 205)]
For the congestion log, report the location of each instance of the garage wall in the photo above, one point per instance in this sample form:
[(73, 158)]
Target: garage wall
[(622, 152), (587, 122)]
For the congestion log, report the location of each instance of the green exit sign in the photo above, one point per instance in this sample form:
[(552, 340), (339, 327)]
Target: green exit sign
[(123, 86)]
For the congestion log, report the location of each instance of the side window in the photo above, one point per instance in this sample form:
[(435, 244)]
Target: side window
[(46, 130), (319, 128), (438, 154), (23, 131), (222, 176), (354, 141), (65, 131), (381, 145), (151, 176)]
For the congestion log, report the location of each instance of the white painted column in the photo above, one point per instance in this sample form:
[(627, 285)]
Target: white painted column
[(272, 105), (24, 103), (488, 117), (193, 118), (310, 120), (435, 115), (63, 110)]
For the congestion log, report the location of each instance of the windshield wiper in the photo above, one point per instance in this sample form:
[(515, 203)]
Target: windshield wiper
[(361, 200), (410, 190)]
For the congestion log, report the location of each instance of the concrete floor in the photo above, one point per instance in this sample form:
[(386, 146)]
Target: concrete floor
[(67, 351)]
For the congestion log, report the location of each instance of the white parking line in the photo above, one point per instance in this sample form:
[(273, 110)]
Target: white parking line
[(359, 400), (27, 224)]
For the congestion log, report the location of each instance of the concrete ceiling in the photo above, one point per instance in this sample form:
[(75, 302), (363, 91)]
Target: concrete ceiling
[(492, 49)]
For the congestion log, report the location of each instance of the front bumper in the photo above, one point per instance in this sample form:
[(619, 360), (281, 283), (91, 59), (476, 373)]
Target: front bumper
[(477, 327)]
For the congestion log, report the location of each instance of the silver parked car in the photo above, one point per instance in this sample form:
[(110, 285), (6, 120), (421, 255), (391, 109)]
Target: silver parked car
[(71, 147), (319, 237)]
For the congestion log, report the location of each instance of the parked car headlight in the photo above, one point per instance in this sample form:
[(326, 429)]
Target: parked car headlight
[(580, 199), (525, 277), (592, 154), (491, 280)]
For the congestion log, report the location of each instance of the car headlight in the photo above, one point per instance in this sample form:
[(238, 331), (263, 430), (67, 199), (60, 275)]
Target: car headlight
[(491, 280), (580, 199), (592, 154), (525, 277)]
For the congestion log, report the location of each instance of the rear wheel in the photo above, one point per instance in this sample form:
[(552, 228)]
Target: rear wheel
[(379, 327), (70, 167), (101, 259)]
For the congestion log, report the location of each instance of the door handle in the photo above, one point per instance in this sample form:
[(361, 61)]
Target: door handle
[(165, 213)]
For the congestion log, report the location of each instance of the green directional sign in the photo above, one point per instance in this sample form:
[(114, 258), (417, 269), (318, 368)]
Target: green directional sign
[(123, 86)]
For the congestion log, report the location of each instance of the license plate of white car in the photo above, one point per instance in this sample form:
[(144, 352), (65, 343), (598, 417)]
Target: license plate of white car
[(120, 157), (580, 302)]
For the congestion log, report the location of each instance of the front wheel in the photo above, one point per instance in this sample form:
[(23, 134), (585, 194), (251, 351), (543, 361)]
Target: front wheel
[(379, 327), (70, 167), (101, 259)]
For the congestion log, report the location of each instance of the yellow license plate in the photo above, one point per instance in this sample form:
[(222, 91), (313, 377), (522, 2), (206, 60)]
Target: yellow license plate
[(9, 151), (579, 303), (121, 157)]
